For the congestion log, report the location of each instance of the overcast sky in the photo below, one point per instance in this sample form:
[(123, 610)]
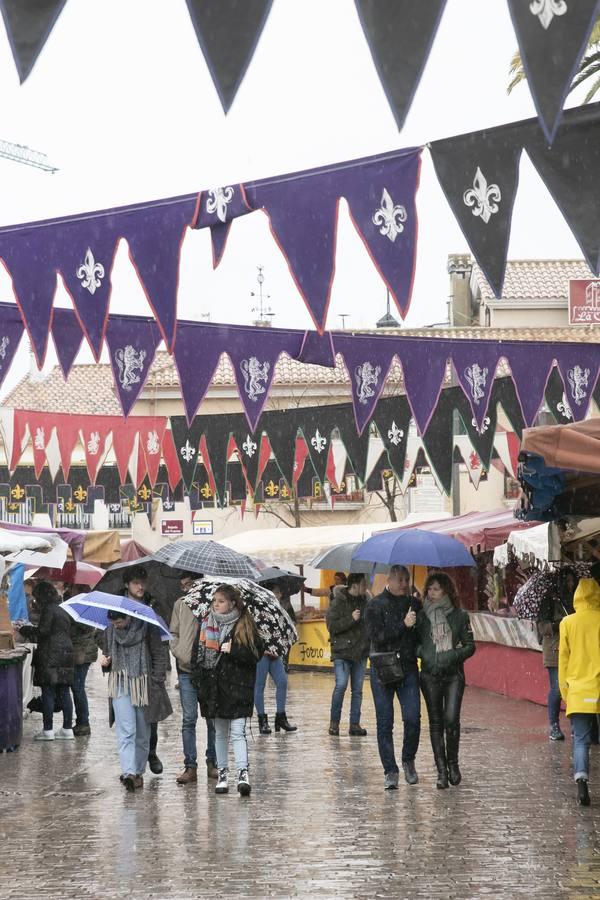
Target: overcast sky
[(122, 102)]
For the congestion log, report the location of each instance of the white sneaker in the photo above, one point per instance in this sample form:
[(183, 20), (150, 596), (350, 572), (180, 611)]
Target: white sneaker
[(64, 734), (222, 786), (44, 736)]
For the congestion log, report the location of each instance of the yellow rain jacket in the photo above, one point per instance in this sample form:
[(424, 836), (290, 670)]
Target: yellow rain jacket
[(579, 651)]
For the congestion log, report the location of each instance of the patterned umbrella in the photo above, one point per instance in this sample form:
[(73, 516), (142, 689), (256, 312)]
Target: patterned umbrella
[(207, 558), (274, 624), (530, 595)]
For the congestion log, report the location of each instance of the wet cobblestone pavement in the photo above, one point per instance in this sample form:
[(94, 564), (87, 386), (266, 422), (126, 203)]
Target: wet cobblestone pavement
[(318, 823)]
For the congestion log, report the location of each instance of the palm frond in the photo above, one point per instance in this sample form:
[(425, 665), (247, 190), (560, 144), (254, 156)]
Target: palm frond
[(516, 72), (593, 90), (586, 69), (591, 69)]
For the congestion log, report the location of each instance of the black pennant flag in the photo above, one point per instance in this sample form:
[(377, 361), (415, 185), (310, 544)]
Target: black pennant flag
[(400, 34), (556, 399), (356, 445), (216, 431), (228, 32), (479, 173), (552, 37), (316, 425), (438, 439), (482, 441), (187, 443), (28, 25), (392, 417), (282, 428), (248, 444)]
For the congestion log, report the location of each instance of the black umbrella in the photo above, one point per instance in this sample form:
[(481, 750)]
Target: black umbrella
[(290, 582), (163, 583)]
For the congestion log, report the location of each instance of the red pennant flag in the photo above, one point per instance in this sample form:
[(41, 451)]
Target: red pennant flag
[(264, 457), (330, 470), (67, 432), (256, 510), (39, 425), (301, 455), (95, 431), (151, 441), (142, 467), (171, 459)]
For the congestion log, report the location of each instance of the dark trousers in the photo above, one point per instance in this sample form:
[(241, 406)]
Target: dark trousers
[(50, 694), (443, 697), (80, 699), (153, 739), (407, 692)]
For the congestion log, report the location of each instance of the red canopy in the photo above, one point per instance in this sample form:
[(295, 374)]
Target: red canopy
[(479, 530)]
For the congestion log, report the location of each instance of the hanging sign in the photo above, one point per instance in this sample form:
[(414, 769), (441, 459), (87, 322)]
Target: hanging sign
[(171, 527), (584, 301)]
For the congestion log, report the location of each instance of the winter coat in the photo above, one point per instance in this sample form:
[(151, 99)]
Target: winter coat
[(85, 647), (384, 617), (184, 630), (552, 612), (579, 651), (227, 691), (449, 662), (159, 706), (53, 657), (348, 638)]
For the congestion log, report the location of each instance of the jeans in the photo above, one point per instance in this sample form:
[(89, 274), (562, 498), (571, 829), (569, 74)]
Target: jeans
[(189, 708), (407, 692), (443, 697), (274, 667), (133, 735), (582, 724), (553, 696), (236, 729), (353, 671), (50, 693), (80, 699)]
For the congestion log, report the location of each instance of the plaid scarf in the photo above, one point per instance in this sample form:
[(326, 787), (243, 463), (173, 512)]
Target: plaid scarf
[(437, 613), (129, 662), (214, 631)]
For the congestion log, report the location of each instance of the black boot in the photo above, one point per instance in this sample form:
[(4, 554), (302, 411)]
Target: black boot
[(263, 725), (452, 742), (281, 723), (583, 794), (439, 754)]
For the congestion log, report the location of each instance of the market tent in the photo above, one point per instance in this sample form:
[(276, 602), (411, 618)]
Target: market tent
[(542, 543), (575, 446), (92, 546), (480, 530), (131, 550)]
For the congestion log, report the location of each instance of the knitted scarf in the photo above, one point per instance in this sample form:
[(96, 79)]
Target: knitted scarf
[(214, 631), (437, 614), (129, 662)]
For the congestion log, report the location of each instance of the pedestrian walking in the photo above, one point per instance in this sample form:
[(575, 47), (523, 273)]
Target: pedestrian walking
[(349, 650), (134, 659), (85, 652), (275, 667), (225, 657), (553, 609), (52, 661), (390, 618), (445, 641), (184, 631), (579, 674)]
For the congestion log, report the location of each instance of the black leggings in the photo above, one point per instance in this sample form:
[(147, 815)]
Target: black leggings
[(443, 697)]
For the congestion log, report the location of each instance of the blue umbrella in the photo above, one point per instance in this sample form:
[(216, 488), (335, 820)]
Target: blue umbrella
[(414, 547), (92, 609)]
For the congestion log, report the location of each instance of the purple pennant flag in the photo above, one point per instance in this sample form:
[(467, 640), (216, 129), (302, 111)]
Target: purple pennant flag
[(155, 233), (67, 335), (132, 343), (530, 366), (578, 365), (303, 210), (317, 349), (197, 352), (11, 332), (475, 365), (423, 370), (218, 207), (368, 361)]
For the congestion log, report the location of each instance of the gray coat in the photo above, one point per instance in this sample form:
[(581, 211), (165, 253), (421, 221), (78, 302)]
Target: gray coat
[(159, 707)]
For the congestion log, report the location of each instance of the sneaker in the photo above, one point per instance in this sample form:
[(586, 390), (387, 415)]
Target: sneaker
[(80, 730), (64, 734), (555, 733), (390, 781), (244, 783), (222, 786), (410, 773), (583, 794), (44, 736)]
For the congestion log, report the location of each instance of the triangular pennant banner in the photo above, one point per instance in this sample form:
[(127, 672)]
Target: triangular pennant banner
[(423, 371), (475, 365), (28, 26), (400, 34), (317, 349), (248, 444), (438, 440), (578, 366), (228, 32), (151, 440), (67, 336), (132, 347), (215, 436), (317, 425), (217, 209), (556, 399), (11, 332), (171, 459), (392, 417), (94, 436), (530, 366), (67, 432), (123, 442), (186, 439), (197, 353), (356, 445), (282, 428), (368, 362), (552, 37)]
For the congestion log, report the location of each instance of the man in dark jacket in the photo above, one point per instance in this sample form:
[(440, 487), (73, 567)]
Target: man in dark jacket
[(349, 650), (391, 618)]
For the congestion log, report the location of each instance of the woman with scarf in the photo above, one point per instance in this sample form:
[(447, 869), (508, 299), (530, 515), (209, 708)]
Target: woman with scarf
[(134, 658), (445, 641), (225, 657)]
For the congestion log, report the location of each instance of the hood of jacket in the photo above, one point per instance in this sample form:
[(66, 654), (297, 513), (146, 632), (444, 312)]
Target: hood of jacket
[(587, 595)]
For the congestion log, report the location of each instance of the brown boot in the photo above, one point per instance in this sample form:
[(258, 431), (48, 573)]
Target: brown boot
[(211, 770), (138, 781), (188, 776)]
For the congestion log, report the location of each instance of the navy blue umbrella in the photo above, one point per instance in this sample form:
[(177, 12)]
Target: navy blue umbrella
[(414, 547)]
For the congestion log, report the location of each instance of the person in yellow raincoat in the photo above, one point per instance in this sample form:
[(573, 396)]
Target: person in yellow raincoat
[(579, 674)]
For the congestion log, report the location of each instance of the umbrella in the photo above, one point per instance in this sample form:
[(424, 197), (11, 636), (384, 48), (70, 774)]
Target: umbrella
[(339, 559), (163, 582), (275, 626), (207, 558), (414, 547), (290, 582), (72, 573), (92, 609)]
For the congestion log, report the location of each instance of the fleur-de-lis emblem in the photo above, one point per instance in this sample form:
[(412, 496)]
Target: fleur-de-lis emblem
[(134, 504), (316, 489), (249, 447), (187, 452), (90, 273), (4, 342), (477, 378), (482, 197), (17, 492), (578, 379), (69, 506), (39, 442), (484, 425), (389, 217), (285, 492), (395, 434), (94, 443), (153, 444), (271, 489), (13, 507), (545, 10), (218, 201), (564, 409), (80, 494), (318, 441), (205, 490), (144, 493)]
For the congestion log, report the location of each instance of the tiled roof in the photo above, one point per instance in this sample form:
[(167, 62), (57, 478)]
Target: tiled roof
[(535, 279)]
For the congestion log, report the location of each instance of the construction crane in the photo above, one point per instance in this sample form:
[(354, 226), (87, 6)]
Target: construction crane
[(25, 155)]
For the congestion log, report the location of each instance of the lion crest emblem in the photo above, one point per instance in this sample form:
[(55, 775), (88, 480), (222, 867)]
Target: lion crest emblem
[(131, 366), (256, 375), (367, 379)]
